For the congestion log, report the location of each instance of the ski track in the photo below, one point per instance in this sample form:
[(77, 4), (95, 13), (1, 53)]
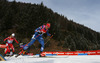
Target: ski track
[(69, 59)]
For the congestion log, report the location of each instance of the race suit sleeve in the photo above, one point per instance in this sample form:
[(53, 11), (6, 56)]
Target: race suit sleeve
[(5, 39), (16, 41)]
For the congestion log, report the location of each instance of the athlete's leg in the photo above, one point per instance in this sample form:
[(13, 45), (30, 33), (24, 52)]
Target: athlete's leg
[(41, 41)]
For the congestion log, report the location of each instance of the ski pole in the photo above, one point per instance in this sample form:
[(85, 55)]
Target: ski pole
[(48, 40)]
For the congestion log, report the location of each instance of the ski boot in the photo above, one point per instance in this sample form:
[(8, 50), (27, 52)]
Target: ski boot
[(41, 54)]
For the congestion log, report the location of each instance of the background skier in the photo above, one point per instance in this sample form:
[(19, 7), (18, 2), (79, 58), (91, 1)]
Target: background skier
[(9, 44)]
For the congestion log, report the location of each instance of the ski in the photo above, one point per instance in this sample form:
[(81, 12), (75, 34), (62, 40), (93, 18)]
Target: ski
[(19, 53), (48, 57)]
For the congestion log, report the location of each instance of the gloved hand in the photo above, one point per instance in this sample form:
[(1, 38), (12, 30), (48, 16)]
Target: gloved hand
[(38, 32)]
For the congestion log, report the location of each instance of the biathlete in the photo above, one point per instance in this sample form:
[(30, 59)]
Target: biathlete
[(37, 36), (9, 44)]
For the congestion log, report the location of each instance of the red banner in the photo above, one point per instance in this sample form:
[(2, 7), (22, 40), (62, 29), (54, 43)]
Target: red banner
[(93, 52), (2, 46)]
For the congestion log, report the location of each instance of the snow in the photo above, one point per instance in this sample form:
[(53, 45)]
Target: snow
[(57, 59)]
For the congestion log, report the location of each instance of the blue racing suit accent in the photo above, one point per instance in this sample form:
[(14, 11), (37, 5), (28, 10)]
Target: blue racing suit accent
[(38, 36)]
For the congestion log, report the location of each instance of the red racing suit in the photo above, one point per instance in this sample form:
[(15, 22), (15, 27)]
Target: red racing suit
[(9, 44)]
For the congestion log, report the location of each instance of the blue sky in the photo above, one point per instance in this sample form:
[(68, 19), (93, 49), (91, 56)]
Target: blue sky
[(85, 12)]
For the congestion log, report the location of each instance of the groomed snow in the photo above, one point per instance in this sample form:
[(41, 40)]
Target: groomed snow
[(62, 59)]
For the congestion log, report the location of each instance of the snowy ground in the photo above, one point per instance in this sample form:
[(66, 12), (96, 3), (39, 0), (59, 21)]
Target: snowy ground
[(67, 59)]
